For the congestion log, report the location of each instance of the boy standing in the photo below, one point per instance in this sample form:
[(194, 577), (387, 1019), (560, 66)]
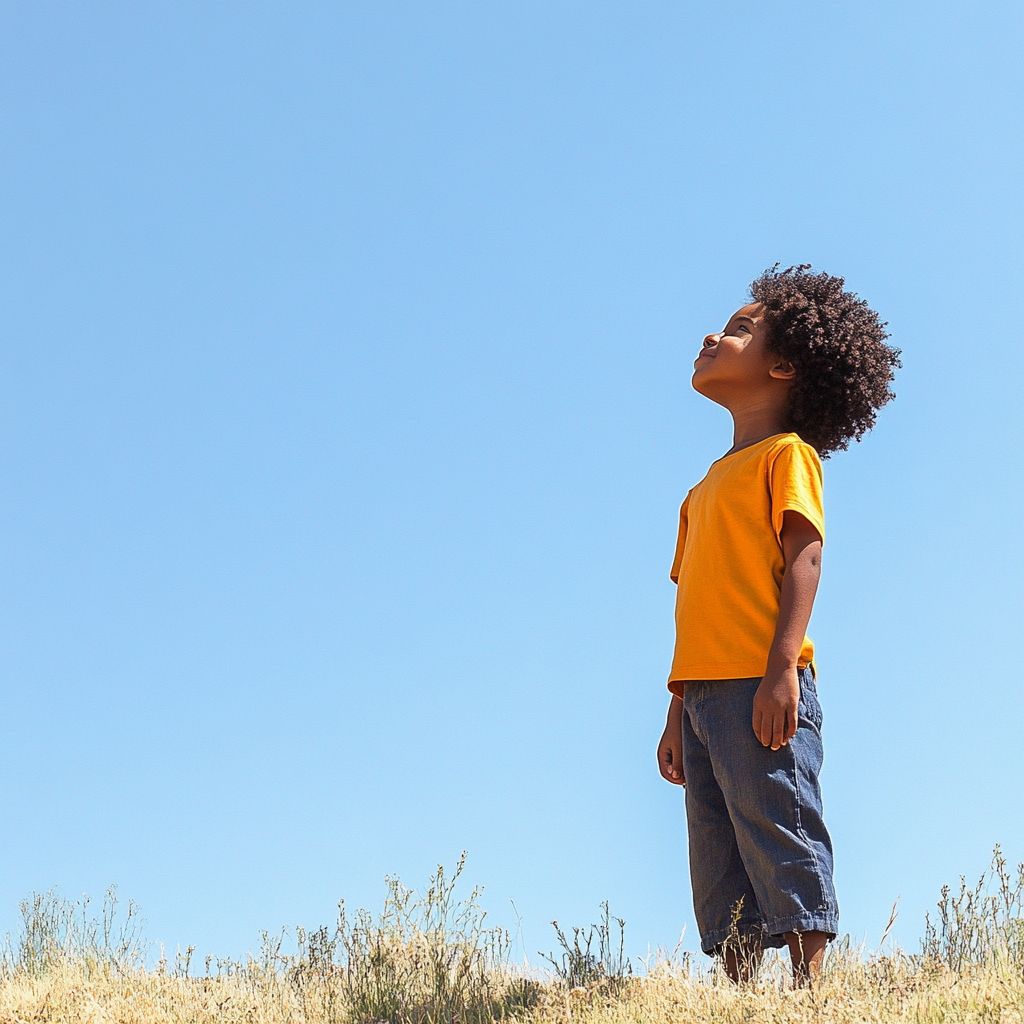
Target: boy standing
[(803, 370)]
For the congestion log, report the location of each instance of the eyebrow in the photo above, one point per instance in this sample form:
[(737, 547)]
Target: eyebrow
[(740, 317)]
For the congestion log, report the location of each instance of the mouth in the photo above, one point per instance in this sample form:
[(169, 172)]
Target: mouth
[(705, 353)]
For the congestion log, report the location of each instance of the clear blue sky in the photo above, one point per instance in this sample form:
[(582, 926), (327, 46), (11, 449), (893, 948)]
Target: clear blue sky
[(346, 418)]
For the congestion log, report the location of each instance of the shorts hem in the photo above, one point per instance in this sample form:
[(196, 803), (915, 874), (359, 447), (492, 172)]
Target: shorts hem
[(827, 923), (713, 941), (771, 936)]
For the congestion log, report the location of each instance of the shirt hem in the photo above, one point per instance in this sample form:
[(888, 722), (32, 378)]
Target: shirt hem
[(711, 673)]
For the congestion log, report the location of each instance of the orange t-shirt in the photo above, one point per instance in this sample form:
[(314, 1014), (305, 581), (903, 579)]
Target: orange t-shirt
[(729, 562)]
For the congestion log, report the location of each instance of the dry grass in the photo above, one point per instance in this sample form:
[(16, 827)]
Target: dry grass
[(431, 960)]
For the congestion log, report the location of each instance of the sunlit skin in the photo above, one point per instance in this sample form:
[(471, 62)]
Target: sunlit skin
[(735, 369)]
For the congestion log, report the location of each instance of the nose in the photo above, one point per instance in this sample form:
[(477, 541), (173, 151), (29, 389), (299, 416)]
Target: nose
[(710, 340)]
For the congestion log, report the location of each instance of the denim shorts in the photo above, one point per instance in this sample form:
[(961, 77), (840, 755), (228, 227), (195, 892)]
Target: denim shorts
[(760, 857)]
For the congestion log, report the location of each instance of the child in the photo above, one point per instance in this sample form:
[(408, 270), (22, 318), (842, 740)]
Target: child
[(803, 370)]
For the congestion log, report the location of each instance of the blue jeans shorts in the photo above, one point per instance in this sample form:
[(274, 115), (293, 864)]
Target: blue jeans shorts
[(760, 856)]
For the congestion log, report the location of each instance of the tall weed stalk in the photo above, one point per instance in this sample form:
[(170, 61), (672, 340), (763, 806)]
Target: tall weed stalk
[(983, 925), (580, 965), (56, 930), (425, 959)]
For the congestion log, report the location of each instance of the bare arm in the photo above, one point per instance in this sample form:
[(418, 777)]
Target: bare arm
[(778, 696)]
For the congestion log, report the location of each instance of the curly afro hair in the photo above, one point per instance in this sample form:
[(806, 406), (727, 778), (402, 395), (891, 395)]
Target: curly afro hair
[(836, 344)]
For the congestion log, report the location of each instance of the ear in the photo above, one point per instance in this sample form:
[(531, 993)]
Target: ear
[(782, 369)]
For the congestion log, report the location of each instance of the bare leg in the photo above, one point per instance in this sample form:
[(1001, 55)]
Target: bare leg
[(806, 950), (741, 959)]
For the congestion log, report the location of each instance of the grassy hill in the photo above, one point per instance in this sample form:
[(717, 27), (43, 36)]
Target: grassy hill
[(431, 959)]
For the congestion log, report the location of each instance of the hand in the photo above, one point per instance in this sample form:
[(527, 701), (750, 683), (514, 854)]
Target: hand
[(775, 707), (670, 753)]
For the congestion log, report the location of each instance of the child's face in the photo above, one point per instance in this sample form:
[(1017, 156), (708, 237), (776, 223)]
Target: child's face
[(736, 361)]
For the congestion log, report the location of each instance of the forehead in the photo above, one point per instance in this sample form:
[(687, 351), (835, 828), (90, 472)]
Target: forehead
[(750, 312)]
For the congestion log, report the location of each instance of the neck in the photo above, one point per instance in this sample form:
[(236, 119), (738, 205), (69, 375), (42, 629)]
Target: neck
[(754, 421)]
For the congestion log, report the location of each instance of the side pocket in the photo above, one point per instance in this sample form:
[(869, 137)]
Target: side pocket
[(809, 699)]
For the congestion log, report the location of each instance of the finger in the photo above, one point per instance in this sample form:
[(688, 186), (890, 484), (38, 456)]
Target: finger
[(778, 729), (764, 732), (792, 723), (670, 764), (758, 718)]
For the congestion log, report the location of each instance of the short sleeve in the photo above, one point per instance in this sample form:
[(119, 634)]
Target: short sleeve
[(796, 486), (681, 541)]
